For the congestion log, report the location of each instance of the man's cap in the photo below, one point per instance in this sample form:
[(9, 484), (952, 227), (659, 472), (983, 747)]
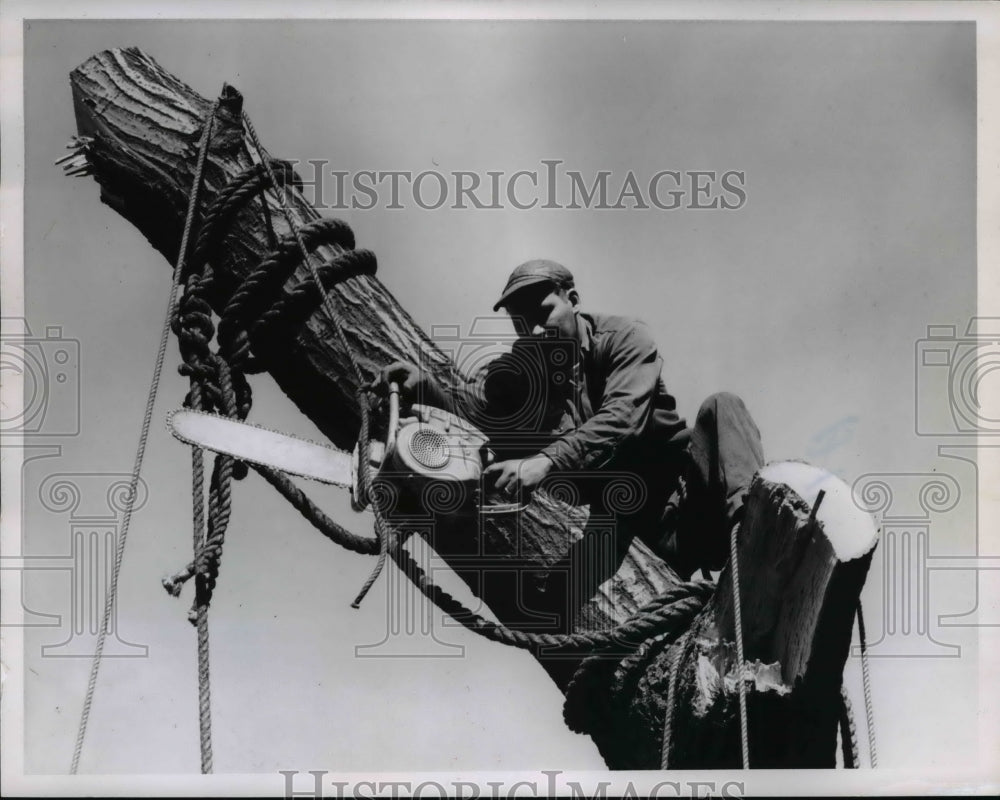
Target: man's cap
[(532, 272)]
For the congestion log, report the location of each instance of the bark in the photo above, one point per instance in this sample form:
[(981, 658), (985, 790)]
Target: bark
[(144, 127)]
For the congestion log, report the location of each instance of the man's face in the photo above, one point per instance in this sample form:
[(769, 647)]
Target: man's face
[(544, 310)]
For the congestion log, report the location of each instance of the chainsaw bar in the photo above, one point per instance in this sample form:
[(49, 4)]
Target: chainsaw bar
[(261, 446)]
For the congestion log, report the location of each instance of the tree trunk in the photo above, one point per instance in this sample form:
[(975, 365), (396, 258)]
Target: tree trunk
[(144, 128)]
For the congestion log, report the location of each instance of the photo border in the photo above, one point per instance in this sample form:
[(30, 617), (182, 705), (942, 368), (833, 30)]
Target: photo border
[(886, 781)]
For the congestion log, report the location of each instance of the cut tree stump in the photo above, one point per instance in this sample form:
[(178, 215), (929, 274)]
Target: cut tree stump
[(143, 127)]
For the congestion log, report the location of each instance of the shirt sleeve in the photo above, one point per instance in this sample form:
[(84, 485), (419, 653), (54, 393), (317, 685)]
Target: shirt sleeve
[(630, 388)]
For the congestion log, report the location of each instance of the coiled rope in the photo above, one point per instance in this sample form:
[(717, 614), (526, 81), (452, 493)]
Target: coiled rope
[(143, 438), (218, 382), (364, 477)]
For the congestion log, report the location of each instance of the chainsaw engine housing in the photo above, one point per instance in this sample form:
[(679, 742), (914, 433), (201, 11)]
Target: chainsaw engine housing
[(435, 461)]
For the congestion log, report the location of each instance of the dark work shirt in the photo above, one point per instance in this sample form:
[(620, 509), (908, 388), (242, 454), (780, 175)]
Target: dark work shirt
[(596, 403)]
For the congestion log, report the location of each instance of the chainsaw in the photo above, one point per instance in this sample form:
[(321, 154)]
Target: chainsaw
[(426, 448)]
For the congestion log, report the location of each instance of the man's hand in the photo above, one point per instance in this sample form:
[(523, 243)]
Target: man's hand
[(519, 476), (415, 385), (407, 376)]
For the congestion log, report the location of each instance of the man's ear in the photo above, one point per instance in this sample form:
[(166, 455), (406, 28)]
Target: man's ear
[(573, 296)]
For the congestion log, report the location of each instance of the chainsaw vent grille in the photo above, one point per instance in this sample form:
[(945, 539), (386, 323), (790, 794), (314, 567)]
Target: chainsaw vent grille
[(430, 448)]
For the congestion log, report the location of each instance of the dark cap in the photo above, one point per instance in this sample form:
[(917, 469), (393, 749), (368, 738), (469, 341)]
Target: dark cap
[(532, 272)]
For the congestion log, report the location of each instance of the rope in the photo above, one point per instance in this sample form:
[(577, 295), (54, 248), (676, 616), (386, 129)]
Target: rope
[(213, 385), (680, 602), (668, 714), (364, 481), (143, 438), (222, 375), (648, 619), (312, 513), (848, 732), (195, 330), (208, 556), (410, 567), (466, 617), (198, 543), (604, 685), (315, 516), (230, 200), (296, 306), (218, 381), (867, 682), (201, 610), (741, 682), (251, 315), (257, 290)]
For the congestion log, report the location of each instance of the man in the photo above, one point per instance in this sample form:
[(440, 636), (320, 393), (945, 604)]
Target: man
[(581, 394)]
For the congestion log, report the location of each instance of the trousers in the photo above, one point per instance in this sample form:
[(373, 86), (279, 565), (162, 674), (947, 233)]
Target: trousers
[(693, 497), (690, 500), (724, 453)]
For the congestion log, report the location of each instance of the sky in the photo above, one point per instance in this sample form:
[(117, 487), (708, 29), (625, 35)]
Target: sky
[(857, 146)]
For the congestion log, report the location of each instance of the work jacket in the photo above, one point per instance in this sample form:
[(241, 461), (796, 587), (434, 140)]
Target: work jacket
[(592, 404)]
